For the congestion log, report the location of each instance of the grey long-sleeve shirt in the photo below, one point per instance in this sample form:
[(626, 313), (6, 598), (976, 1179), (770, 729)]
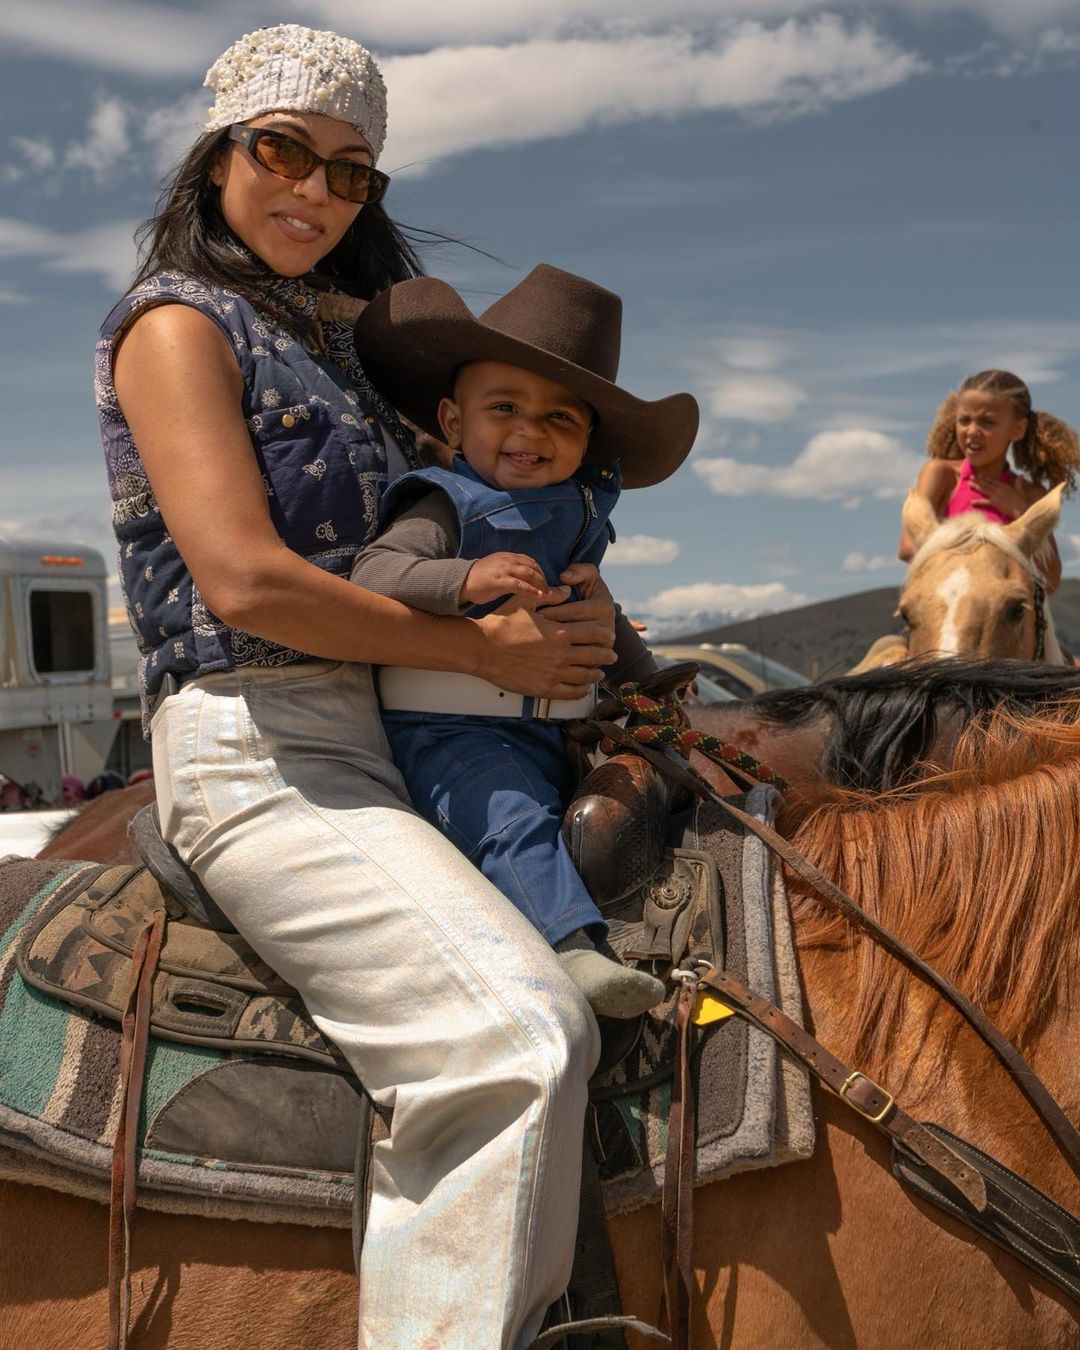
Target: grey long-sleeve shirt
[(415, 561)]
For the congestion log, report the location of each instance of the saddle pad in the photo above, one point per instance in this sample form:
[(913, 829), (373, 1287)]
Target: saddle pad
[(754, 1106), (210, 988), (231, 1134), (237, 1135)]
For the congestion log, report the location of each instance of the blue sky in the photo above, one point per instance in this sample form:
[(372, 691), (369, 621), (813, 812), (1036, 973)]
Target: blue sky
[(819, 216)]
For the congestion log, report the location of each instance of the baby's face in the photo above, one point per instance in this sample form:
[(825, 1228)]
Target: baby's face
[(514, 428)]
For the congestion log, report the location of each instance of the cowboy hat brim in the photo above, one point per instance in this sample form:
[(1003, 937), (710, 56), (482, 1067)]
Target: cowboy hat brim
[(413, 338)]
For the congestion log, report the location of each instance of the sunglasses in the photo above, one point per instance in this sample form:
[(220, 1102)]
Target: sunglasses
[(290, 159)]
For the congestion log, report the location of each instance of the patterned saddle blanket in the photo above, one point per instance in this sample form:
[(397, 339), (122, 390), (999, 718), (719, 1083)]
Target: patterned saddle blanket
[(248, 1112)]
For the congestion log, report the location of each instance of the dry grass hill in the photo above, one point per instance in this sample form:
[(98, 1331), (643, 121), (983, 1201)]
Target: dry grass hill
[(829, 637)]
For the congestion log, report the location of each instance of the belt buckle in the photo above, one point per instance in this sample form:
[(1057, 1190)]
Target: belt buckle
[(874, 1117), (541, 707)]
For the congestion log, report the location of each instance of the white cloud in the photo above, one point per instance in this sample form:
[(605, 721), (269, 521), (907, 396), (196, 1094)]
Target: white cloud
[(760, 597), (427, 22), (642, 549), (755, 397), (838, 465), (119, 34), (108, 249), (107, 141), (503, 95), (859, 562), (37, 151)]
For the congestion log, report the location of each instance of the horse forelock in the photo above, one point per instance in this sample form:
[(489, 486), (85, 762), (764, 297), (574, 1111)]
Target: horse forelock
[(976, 868), (965, 533)]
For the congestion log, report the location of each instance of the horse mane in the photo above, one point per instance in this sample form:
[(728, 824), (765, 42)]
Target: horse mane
[(885, 721), (976, 868), (965, 532)]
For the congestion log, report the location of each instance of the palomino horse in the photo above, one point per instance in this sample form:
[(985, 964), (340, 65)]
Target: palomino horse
[(978, 868), (972, 588)]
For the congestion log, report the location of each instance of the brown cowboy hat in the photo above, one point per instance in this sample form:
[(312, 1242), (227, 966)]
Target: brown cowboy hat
[(413, 338)]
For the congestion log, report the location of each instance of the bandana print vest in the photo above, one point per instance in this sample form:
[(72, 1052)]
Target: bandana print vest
[(319, 451)]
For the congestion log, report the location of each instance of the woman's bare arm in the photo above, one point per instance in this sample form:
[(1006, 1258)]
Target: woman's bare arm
[(197, 454)]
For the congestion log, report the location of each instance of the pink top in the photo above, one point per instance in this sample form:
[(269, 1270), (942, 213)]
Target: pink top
[(965, 492)]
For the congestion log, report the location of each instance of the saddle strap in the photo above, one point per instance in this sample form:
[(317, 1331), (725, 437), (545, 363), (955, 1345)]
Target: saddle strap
[(133, 1051), (1018, 1217), (853, 1088), (677, 1197), (1060, 1128)]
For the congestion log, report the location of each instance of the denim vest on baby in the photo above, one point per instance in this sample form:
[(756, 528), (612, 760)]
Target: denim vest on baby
[(317, 445), (555, 525)]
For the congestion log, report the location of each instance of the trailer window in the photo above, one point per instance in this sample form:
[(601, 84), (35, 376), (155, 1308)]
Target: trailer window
[(62, 631)]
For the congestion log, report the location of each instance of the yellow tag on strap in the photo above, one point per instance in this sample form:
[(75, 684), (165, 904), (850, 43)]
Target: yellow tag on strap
[(708, 1008)]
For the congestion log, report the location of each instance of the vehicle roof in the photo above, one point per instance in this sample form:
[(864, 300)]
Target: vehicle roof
[(25, 556)]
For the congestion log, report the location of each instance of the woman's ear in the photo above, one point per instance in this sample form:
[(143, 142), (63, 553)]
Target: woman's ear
[(449, 415), (216, 172)]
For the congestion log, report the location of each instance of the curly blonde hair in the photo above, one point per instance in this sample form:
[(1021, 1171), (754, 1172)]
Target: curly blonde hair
[(1049, 451)]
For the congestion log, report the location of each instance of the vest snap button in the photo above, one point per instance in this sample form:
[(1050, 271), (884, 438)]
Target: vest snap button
[(369, 421), (299, 300), (288, 420)]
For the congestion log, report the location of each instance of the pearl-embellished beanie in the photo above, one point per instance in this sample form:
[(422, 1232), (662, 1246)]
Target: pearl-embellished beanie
[(289, 67)]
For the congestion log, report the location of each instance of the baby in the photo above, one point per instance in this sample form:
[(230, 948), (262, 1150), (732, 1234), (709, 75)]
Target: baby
[(543, 440)]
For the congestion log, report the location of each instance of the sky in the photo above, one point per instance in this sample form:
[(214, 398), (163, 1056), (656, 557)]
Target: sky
[(820, 218)]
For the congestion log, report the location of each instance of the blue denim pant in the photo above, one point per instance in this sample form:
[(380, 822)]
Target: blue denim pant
[(276, 786), (498, 789)]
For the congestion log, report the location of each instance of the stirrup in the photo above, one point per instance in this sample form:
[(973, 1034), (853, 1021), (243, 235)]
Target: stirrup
[(168, 868)]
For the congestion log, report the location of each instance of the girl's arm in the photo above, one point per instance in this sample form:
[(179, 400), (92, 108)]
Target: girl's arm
[(936, 480), (197, 455)]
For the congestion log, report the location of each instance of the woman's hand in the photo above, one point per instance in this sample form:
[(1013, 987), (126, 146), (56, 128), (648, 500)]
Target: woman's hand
[(555, 652)]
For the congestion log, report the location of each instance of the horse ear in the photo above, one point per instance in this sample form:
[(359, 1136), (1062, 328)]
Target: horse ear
[(1029, 530), (918, 518)]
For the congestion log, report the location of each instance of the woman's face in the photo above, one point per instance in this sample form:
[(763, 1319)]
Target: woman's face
[(291, 224)]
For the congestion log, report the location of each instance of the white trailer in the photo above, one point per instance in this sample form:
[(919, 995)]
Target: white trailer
[(56, 704)]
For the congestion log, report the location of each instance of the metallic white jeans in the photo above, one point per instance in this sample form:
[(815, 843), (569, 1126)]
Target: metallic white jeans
[(277, 787)]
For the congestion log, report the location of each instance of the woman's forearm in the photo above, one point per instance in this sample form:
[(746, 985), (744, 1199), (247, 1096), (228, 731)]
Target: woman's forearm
[(279, 596)]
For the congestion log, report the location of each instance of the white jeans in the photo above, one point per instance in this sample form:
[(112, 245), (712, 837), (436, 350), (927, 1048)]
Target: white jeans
[(276, 786)]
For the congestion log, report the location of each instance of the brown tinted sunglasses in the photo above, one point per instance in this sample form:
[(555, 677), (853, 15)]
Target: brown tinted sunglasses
[(291, 159)]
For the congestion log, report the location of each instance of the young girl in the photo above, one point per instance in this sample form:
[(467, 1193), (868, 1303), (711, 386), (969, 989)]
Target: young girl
[(969, 445)]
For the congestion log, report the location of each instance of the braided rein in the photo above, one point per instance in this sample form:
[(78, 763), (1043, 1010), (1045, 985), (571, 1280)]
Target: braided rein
[(666, 723)]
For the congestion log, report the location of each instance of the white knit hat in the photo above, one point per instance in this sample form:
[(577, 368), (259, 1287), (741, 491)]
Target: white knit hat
[(289, 67)]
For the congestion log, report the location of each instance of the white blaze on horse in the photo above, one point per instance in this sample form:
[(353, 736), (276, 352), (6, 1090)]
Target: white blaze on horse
[(973, 588)]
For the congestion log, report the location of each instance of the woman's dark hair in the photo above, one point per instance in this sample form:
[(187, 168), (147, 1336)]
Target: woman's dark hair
[(188, 234)]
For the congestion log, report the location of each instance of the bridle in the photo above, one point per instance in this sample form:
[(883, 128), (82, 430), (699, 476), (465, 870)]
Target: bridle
[(1039, 602)]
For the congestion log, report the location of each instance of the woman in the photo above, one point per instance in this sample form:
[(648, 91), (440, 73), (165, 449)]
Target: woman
[(246, 453)]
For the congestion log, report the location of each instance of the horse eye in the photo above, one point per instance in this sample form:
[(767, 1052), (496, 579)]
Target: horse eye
[(1014, 611), (904, 615)]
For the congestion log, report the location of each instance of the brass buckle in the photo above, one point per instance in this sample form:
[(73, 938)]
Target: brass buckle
[(846, 1085), (542, 708)]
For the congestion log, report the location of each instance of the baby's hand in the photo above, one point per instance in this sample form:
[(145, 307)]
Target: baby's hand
[(503, 574), (585, 577)]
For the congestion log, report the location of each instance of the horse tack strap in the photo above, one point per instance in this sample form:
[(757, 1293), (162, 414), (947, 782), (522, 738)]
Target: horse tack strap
[(677, 1199), (133, 1051), (863, 1095), (1060, 1128)]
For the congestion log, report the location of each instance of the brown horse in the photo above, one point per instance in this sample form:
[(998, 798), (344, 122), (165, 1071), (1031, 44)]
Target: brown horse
[(978, 868), (972, 588)]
